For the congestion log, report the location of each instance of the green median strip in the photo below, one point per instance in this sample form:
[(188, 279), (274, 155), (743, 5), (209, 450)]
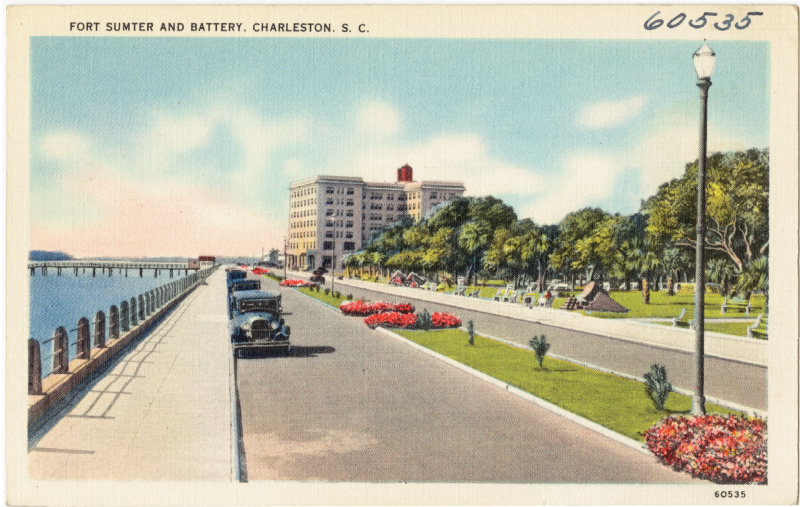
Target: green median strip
[(619, 404), (321, 296)]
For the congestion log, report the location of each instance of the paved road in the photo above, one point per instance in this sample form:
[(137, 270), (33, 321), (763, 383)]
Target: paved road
[(350, 404), (740, 383)]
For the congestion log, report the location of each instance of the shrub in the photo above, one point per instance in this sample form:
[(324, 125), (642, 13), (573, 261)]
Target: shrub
[(723, 449), (424, 320), (540, 348), (337, 295), (327, 291), (657, 385), (471, 331), (349, 297)]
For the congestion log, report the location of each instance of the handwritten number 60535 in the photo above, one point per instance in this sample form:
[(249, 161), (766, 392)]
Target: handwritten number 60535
[(652, 23)]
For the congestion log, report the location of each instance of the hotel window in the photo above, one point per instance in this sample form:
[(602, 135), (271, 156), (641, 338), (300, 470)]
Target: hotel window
[(349, 224), (327, 245), (348, 235), (329, 201), (349, 202), (328, 234), (349, 245), (350, 191), (329, 190), (433, 195), (349, 213)]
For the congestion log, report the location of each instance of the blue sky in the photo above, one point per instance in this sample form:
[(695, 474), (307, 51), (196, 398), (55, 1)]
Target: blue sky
[(187, 145)]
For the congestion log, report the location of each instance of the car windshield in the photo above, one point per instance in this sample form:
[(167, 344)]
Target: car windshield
[(258, 305)]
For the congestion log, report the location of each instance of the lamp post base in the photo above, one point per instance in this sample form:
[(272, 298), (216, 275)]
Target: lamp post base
[(698, 405)]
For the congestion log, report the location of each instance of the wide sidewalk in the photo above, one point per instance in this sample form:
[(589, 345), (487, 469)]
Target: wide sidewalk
[(746, 350), (161, 412)]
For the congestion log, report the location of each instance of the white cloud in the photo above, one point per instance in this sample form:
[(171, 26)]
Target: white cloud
[(671, 143), (585, 178), (378, 118), (180, 134), (607, 114), (452, 157)]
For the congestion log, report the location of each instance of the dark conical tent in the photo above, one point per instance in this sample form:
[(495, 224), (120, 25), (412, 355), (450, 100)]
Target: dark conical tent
[(602, 302)]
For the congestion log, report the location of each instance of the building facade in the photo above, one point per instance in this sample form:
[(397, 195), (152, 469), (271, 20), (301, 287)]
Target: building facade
[(332, 216)]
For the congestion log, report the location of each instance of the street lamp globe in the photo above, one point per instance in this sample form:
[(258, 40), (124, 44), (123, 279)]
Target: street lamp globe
[(704, 62)]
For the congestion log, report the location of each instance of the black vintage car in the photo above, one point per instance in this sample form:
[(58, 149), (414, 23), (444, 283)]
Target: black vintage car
[(240, 284), (317, 277), (257, 321)]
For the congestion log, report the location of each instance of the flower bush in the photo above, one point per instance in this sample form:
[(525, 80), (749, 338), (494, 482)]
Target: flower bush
[(363, 309), (391, 319), (445, 320), (725, 449), (296, 283)]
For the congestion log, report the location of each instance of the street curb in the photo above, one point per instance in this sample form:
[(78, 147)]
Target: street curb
[(750, 411), (238, 461), (602, 430)]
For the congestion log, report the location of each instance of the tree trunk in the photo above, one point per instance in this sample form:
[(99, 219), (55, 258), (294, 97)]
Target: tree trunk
[(645, 291), (670, 286)]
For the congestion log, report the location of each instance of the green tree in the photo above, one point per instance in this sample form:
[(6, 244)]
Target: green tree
[(737, 206), (475, 238)]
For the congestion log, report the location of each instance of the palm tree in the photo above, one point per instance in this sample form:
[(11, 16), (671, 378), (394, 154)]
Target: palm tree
[(720, 271), (377, 259), (475, 237)]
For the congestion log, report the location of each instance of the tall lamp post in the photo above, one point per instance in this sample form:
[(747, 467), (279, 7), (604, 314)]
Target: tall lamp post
[(333, 257), (285, 259), (704, 61)]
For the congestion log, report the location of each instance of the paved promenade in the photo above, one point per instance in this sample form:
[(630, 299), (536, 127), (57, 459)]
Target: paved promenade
[(163, 410)]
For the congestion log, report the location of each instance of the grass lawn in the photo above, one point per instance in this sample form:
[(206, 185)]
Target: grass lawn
[(731, 328), (335, 302), (614, 402), (662, 305)]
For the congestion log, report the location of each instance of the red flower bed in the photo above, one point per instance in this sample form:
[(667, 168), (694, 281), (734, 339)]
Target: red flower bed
[(723, 449), (364, 309), (391, 319), (442, 320), (296, 283)]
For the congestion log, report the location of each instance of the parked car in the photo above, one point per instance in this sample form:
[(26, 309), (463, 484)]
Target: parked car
[(234, 274), (240, 284), (257, 321)]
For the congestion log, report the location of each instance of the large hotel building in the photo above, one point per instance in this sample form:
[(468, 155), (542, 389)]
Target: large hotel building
[(335, 216)]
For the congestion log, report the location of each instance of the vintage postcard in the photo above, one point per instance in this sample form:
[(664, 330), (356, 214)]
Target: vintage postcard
[(479, 255)]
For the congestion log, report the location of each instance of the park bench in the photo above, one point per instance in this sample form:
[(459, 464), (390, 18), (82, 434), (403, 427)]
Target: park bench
[(545, 302), (678, 318), (499, 294), (736, 304), (510, 297), (475, 293), (460, 290), (754, 325)]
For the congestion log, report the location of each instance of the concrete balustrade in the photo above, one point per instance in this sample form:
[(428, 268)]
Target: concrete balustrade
[(99, 330), (124, 323), (113, 323), (124, 326)]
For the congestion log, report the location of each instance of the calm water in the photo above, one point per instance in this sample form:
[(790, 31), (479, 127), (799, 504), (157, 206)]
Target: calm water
[(62, 300)]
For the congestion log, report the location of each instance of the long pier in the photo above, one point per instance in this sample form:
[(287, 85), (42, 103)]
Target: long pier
[(107, 267)]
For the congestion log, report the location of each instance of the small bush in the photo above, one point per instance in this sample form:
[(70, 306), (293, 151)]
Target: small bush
[(723, 449), (327, 291), (471, 331), (424, 320), (349, 297), (657, 385), (337, 295), (540, 348)]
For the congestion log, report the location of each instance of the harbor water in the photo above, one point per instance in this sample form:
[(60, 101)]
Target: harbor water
[(62, 300)]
